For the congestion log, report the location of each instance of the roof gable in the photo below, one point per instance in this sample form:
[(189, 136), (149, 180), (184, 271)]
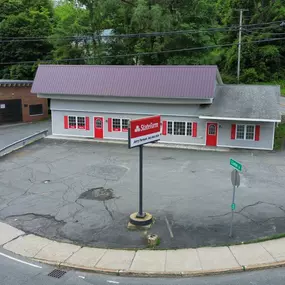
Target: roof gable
[(197, 82)]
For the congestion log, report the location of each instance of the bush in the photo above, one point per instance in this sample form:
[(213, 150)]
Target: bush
[(249, 76)]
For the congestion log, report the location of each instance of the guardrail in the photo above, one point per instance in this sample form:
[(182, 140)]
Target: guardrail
[(22, 142)]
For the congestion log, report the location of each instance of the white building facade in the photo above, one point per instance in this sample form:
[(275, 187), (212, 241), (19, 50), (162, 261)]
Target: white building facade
[(212, 121)]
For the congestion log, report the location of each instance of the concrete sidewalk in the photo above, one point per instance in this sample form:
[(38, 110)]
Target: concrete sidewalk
[(183, 262)]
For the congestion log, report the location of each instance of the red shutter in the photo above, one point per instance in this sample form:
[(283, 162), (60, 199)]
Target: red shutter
[(194, 132), (257, 132), (66, 122), (109, 124), (233, 132), (164, 126), (87, 124)]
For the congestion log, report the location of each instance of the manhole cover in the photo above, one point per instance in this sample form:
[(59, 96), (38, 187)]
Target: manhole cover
[(57, 273), (99, 194)]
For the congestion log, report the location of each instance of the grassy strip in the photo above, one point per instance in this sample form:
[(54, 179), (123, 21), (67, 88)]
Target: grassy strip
[(279, 136)]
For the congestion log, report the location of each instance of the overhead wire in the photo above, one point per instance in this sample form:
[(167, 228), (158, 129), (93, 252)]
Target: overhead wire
[(143, 53)]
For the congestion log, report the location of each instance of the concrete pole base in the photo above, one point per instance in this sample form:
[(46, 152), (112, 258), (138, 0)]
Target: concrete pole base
[(140, 222)]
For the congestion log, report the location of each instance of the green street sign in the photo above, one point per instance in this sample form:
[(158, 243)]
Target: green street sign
[(233, 206), (236, 165)]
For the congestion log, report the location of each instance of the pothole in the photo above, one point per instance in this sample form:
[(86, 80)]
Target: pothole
[(99, 194), (46, 181)]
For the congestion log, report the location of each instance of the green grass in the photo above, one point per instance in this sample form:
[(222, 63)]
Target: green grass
[(279, 136)]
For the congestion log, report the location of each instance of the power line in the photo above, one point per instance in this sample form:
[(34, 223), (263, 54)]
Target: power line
[(137, 35), (145, 53)]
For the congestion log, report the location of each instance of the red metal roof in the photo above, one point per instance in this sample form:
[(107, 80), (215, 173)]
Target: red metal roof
[(127, 81)]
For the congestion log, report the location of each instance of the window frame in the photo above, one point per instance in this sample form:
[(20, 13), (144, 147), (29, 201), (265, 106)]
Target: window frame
[(76, 123), (170, 125), (120, 129), (81, 127), (245, 132), (39, 114)]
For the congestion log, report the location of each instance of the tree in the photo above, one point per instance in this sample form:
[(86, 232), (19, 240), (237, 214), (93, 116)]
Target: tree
[(24, 31)]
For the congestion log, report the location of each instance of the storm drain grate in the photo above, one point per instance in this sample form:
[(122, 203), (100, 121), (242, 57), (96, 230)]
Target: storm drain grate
[(56, 273)]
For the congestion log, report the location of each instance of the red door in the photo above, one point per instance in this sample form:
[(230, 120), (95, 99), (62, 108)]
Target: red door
[(212, 130), (98, 127)]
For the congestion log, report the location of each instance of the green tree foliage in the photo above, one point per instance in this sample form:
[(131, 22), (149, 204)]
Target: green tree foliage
[(260, 61), (28, 20), (75, 29)]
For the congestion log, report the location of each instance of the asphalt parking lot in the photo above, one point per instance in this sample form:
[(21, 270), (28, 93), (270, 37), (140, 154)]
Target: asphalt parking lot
[(83, 192)]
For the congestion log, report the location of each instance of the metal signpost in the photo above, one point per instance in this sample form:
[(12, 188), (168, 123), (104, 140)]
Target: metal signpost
[(235, 178), (143, 131)]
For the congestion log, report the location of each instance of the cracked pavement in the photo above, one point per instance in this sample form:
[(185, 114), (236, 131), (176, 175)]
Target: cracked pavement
[(188, 192)]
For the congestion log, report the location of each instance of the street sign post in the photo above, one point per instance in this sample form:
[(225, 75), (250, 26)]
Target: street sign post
[(143, 131), (235, 164), (235, 178)]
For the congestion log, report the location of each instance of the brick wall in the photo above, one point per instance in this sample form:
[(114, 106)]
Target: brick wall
[(24, 93)]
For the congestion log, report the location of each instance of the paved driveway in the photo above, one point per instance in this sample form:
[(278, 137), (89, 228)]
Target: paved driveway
[(10, 134), (43, 190)]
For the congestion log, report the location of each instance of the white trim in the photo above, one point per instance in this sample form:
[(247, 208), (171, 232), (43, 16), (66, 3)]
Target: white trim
[(180, 143), (186, 125), (152, 100), (237, 119), (245, 132), (273, 135), (244, 147), (121, 125), (68, 135), (124, 113), (125, 140), (76, 121)]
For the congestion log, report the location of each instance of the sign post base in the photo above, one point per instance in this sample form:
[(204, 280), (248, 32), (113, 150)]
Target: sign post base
[(141, 221)]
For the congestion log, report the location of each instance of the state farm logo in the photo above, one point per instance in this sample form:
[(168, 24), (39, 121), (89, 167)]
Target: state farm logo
[(146, 127), (137, 129)]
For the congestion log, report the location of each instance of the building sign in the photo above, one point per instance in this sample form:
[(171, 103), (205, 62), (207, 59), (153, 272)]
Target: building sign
[(143, 131), (2, 106)]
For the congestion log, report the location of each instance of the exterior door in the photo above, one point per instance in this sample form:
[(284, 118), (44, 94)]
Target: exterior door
[(98, 127), (212, 133), (10, 111)]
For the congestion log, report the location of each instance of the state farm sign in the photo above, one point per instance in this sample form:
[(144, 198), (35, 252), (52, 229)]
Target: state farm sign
[(143, 131)]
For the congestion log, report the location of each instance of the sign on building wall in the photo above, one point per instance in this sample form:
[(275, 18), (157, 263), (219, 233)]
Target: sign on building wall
[(2, 106), (144, 130)]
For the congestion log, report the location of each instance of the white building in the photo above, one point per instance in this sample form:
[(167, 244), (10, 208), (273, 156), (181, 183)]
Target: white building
[(196, 107)]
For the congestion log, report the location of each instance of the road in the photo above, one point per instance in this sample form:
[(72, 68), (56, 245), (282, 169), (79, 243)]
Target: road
[(13, 272), (10, 134)]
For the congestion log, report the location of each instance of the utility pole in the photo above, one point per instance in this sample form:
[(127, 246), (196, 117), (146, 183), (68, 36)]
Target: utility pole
[(239, 41)]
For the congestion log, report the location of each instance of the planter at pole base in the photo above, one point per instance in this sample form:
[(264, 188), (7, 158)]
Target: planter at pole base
[(145, 221)]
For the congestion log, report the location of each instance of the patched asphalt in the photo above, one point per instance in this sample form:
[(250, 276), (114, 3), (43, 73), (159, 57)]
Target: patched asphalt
[(84, 192)]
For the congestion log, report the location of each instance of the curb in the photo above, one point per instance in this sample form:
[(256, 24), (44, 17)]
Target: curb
[(153, 145), (134, 273), (150, 274)]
